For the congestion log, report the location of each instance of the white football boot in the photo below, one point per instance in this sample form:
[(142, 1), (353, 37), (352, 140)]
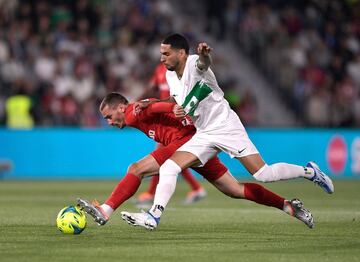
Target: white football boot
[(321, 179), (143, 219)]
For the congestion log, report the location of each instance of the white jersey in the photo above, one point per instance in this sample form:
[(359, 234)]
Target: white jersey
[(199, 94), (218, 128)]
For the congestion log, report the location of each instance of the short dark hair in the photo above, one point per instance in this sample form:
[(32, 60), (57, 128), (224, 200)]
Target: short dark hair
[(112, 100), (177, 41)]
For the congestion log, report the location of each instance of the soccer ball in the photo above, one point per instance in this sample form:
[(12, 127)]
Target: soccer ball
[(71, 220)]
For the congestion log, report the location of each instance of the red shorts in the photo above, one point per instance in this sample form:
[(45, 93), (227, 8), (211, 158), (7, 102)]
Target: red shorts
[(211, 171)]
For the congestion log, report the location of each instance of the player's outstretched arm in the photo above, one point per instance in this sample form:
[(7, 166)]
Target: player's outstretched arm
[(160, 107), (140, 105), (205, 60)]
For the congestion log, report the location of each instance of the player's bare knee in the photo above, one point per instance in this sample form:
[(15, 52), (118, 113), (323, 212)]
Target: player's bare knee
[(136, 170)]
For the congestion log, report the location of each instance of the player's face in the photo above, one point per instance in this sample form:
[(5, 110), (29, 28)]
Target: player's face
[(171, 57), (115, 116)]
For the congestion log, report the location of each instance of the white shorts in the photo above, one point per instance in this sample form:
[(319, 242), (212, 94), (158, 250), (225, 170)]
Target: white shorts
[(231, 139)]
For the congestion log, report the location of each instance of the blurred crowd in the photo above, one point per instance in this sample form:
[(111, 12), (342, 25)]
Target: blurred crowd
[(59, 58), (309, 50)]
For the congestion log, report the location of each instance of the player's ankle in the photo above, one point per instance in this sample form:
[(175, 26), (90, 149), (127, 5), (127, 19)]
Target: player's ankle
[(288, 209), (156, 211)]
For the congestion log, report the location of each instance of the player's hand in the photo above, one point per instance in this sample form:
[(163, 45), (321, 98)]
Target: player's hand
[(140, 105), (179, 111), (204, 49)]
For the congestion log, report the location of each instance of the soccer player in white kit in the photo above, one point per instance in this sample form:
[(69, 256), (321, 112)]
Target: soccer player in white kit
[(194, 88)]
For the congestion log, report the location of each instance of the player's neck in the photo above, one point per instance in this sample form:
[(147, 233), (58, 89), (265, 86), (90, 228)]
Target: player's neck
[(180, 70)]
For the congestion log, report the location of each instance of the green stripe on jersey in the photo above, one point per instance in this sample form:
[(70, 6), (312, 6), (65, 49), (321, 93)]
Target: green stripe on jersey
[(199, 92)]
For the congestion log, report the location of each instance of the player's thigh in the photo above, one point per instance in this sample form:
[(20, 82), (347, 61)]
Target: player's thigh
[(185, 159), (212, 170), (229, 186), (163, 153), (252, 163), (195, 152), (146, 166)]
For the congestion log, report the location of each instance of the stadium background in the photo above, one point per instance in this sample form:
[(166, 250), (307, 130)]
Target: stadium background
[(286, 67), (290, 69)]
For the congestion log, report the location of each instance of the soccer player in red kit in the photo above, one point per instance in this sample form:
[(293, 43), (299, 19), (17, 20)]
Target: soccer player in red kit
[(158, 81), (159, 123)]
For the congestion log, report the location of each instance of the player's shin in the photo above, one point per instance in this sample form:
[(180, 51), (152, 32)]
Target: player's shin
[(124, 190), (263, 196), (166, 187), (281, 171)]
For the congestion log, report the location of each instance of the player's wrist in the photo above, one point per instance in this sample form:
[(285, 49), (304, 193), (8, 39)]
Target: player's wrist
[(201, 65), (149, 101)]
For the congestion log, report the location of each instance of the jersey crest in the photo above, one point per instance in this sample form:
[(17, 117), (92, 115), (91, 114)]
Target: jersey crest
[(198, 93)]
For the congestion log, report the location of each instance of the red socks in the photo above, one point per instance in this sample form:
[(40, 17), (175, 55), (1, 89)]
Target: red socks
[(195, 185), (124, 190), (130, 184), (154, 180), (188, 176), (261, 195)]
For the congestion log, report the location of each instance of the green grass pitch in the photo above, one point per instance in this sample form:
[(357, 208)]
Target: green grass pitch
[(216, 229)]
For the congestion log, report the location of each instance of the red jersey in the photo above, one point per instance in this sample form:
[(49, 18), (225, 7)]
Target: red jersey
[(158, 79), (158, 122)]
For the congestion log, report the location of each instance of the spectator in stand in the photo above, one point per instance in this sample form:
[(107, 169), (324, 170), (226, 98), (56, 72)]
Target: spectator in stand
[(18, 107), (74, 52), (300, 48)]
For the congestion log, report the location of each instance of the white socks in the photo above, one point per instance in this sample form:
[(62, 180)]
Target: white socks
[(168, 174), (282, 171), (107, 209)]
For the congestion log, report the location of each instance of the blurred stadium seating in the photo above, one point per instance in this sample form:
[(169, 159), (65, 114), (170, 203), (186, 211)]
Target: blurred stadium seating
[(309, 50), (61, 57)]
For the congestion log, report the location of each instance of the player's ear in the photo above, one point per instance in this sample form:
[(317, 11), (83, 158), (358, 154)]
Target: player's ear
[(182, 52), (121, 108)]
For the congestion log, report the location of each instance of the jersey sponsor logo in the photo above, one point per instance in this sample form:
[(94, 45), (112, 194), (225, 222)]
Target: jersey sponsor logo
[(151, 134), (191, 106), (198, 93)]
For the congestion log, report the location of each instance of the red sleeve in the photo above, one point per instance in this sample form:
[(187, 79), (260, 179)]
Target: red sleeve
[(157, 108), (160, 107), (130, 117)]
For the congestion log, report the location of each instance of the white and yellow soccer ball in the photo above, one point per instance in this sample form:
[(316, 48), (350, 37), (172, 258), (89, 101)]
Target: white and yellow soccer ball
[(71, 220)]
